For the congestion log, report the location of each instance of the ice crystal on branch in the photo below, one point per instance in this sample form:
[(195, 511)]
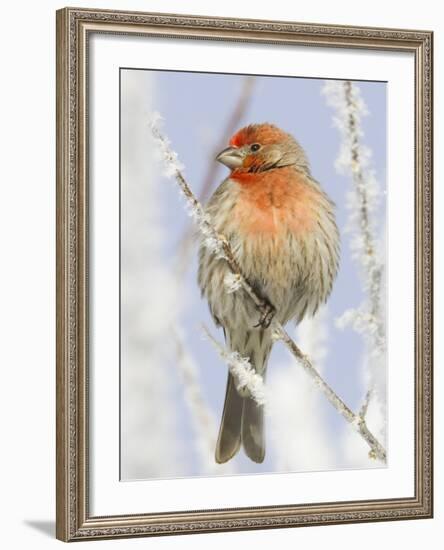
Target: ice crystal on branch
[(232, 282), (171, 163), (363, 199), (246, 378)]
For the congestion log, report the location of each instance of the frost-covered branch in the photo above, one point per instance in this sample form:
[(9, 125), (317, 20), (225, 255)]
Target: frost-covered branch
[(220, 246), (245, 376), (365, 404), (355, 420), (149, 446), (362, 201), (203, 420)]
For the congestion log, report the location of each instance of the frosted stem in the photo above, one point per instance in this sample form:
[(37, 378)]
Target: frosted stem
[(354, 159), (202, 417), (245, 376)]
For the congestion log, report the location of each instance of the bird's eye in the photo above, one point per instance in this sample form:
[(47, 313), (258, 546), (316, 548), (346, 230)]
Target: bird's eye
[(255, 147)]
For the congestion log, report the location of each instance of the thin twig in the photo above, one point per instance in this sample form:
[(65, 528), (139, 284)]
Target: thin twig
[(204, 422), (372, 266), (355, 420), (220, 246), (354, 157), (365, 404)]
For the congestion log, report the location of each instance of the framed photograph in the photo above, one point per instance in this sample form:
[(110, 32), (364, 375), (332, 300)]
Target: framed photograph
[(244, 274)]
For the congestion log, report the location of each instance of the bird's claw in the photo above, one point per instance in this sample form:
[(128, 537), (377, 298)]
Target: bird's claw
[(267, 314)]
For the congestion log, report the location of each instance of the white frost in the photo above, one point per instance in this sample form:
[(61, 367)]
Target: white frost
[(232, 282), (246, 378), (171, 163), (174, 168)]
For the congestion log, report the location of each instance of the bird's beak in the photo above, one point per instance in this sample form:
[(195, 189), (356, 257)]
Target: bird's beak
[(231, 157)]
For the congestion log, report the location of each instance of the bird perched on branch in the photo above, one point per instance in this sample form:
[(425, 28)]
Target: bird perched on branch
[(282, 230)]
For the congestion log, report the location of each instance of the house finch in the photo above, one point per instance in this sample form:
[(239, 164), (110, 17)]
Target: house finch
[(282, 230)]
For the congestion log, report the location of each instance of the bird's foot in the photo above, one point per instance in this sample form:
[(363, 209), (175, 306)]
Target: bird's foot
[(268, 312)]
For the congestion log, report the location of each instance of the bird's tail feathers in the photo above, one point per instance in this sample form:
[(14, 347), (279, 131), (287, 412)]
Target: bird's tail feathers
[(229, 438), (243, 418), (252, 430)]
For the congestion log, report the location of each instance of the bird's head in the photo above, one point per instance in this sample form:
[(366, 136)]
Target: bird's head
[(261, 147)]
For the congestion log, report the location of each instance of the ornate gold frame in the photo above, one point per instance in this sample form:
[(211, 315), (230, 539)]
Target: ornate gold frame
[(73, 519)]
